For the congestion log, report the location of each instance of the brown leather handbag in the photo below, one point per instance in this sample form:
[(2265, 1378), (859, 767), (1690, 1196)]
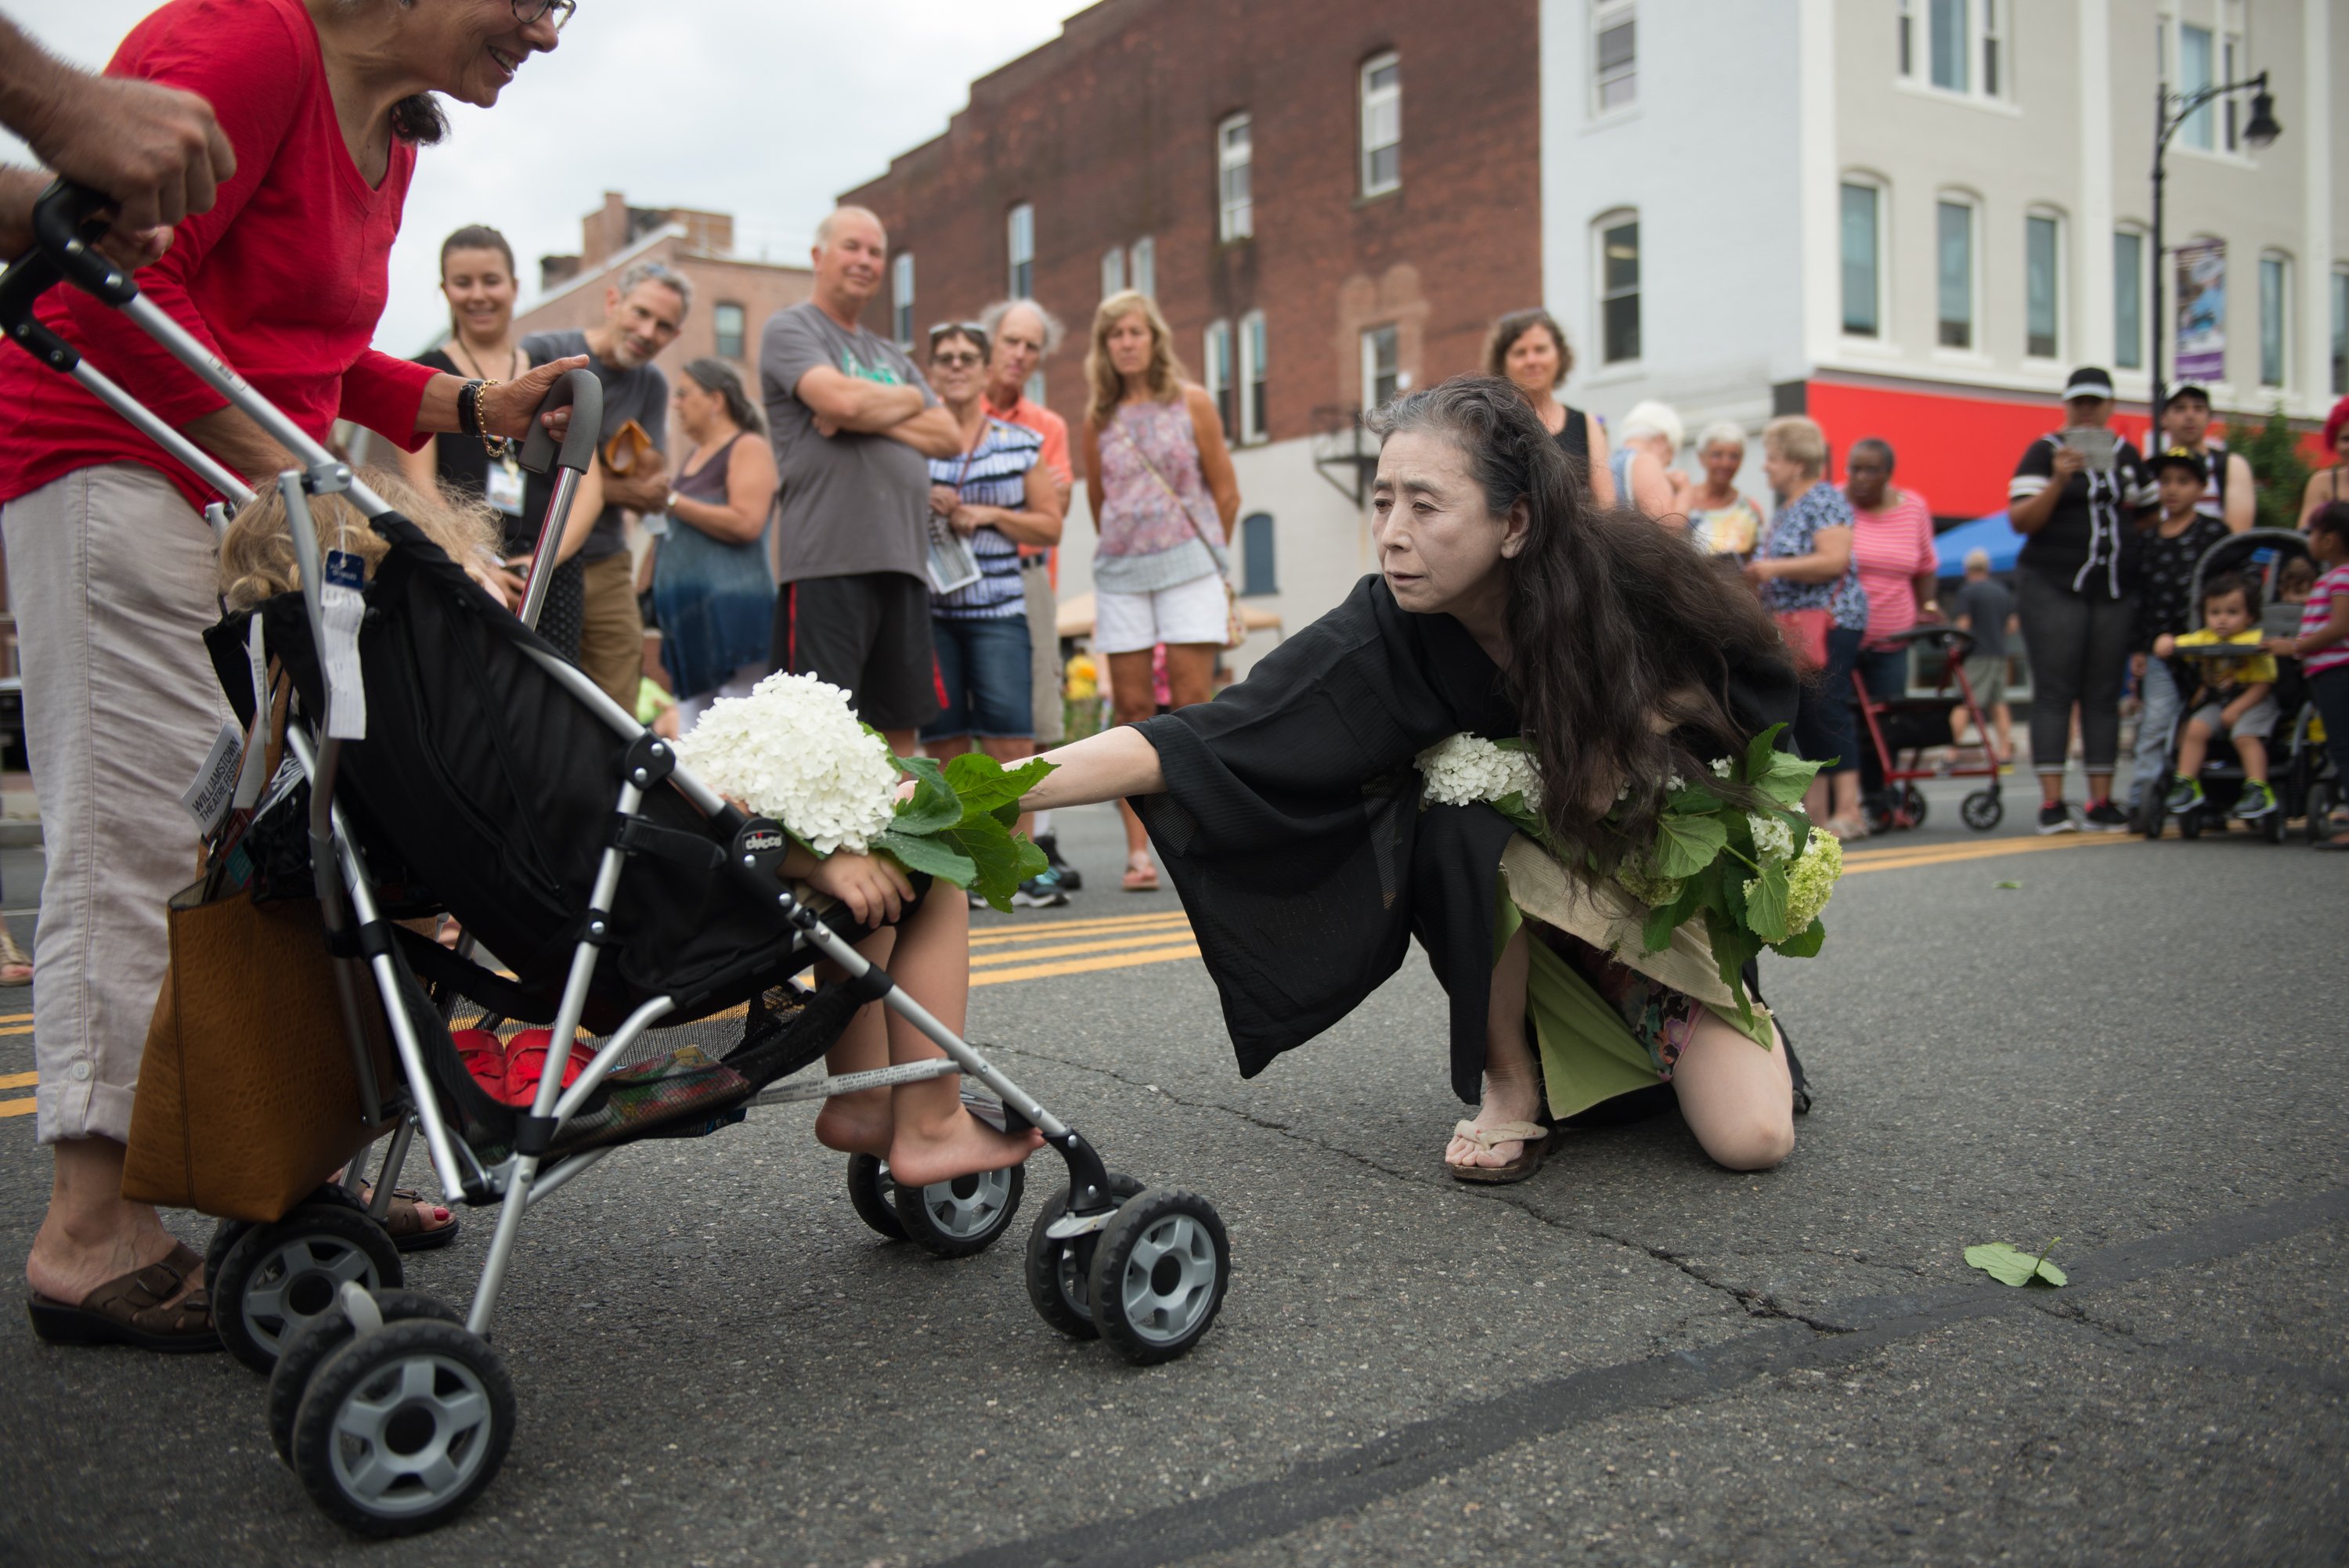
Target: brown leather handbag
[(248, 1096)]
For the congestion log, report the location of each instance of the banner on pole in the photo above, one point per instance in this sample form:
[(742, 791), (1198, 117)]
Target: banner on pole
[(2202, 311)]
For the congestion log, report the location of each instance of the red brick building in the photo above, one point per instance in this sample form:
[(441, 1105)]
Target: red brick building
[(1260, 169)]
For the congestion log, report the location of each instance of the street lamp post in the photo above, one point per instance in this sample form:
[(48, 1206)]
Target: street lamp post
[(2171, 110)]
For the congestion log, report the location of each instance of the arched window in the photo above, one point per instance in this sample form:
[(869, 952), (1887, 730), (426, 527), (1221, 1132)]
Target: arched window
[(1257, 574)]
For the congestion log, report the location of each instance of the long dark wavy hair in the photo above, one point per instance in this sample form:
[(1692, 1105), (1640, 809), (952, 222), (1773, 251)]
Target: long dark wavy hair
[(1615, 626)]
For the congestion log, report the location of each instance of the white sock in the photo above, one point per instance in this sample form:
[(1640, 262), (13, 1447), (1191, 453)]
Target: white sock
[(1041, 826)]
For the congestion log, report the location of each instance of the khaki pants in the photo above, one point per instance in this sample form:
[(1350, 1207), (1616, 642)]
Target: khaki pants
[(612, 633), (1050, 718), (112, 577)]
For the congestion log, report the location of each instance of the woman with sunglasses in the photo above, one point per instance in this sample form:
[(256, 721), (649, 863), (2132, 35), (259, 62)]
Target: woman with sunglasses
[(998, 495), (111, 564)]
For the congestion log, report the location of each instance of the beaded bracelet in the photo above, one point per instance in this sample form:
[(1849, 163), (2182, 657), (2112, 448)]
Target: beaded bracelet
[(469, 417)]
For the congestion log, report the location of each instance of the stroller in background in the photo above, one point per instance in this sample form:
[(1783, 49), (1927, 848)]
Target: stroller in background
[(496, 784), (2300, 770), (1901, 731)]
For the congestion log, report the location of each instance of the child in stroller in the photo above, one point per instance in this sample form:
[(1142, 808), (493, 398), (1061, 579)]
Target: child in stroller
[(2234, 697)]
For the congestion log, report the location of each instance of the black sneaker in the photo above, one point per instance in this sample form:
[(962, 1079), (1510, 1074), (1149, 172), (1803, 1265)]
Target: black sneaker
[(1071, 880), (1039, 892), (2257, 801), (2056, 817), (2103, 816)]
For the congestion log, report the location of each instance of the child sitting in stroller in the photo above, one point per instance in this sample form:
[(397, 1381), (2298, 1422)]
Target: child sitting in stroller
[(2235, 696), (922, 1129)]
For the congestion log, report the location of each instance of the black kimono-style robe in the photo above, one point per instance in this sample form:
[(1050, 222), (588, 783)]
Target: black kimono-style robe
[(1291, 824)]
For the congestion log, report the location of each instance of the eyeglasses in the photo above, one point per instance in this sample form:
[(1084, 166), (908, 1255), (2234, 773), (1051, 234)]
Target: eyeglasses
[(529, 11), (959, 361)]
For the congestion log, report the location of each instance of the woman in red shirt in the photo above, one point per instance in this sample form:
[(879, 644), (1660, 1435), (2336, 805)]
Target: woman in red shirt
[(110, 563), (1892, 541)]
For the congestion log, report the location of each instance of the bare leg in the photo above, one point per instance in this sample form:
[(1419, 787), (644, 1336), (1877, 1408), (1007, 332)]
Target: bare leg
[(933, 1138), (92, 1234), (859, 1123), (1738, 1099), (1130, 702), (2192, 747), (1512, 1082), (2002, 717), (2252, 753)]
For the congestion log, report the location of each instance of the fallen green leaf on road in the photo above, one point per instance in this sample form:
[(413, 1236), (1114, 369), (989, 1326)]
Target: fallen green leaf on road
[(2006, 884), (2011, 1265)]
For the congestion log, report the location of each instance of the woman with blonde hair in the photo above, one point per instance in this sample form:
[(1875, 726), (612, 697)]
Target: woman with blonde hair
[(1163, 497), (1527, 349)]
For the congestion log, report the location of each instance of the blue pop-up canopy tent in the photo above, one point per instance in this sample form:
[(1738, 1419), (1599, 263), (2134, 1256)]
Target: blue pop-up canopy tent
[(1994, 533)]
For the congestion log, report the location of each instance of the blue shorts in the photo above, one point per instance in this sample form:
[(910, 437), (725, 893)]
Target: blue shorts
[(985, 684)]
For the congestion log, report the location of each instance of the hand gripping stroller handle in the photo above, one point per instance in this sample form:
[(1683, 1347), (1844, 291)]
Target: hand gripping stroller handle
[(583, 395), (66, 229)]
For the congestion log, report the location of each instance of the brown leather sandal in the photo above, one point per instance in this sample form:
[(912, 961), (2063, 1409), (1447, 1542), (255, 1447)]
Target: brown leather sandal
[(1535, 1137), (406, 1227), (131, 1309)]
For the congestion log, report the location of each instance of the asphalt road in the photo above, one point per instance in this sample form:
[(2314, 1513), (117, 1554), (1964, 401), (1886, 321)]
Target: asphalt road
[(1635, 1359)]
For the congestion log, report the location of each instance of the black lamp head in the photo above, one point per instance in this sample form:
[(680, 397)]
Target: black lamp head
[(2262, 127)]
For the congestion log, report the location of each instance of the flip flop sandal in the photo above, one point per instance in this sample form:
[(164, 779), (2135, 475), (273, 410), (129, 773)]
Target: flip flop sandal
[(1143, 878), (131, 1309), (407, 1229), (526, 1056), (1533, 1136)]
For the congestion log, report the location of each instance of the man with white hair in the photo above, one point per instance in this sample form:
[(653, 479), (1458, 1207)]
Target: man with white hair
[(854, 426), (642, 316), (1646, 443), (1020, 334)]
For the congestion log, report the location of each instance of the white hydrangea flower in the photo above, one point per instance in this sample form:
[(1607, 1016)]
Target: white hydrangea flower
[(1723, 768), (1674, 784), (1772, 839), (1468, 769), (793, 750)]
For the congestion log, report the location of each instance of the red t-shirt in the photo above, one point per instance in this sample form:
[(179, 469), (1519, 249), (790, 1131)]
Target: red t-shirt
[(284, 279), (1891, 547)]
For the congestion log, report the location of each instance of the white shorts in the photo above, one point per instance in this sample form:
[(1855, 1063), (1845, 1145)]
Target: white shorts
[(1193, 611)]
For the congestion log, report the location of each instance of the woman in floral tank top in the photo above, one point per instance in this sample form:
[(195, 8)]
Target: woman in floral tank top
[(1163, 499)]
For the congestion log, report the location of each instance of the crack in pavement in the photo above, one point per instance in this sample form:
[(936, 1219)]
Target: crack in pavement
[(1429, 1450), (1756, 1302)]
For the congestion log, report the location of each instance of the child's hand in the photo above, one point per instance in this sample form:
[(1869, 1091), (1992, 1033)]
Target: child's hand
[(875, 891), (2164, 645)]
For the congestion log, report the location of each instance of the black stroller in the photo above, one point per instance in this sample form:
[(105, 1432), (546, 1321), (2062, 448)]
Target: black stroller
[(496, 784), (2299, 770)]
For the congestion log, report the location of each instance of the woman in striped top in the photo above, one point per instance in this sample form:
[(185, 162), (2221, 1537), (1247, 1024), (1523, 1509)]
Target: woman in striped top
[(998, 495)]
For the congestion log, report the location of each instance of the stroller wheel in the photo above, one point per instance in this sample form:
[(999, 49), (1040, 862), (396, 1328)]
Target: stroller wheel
[(1876, 810), (2189, 824), (955, 1218), (1060, 1270), (224, 1236), (870, 1194), (401, 1428), (1913, 800), (1982, 811), (1159, 1274), (273, 1279), (308, 1347)]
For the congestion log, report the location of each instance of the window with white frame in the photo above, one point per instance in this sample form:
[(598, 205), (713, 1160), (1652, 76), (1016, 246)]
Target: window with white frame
[(1614, 58), (2275, 319), (2128, 299), (1253, 361), (2043, 285), (1019, 236), (1235, 153), (1112, 271), (1956, 271), (2341, 331), (1382, 120), (1862, 242), (1216, 361), (901, 298), (1619, 288), (728, 322), (1381, 366), (2196, 48), (1141, 266), (1955, 46)]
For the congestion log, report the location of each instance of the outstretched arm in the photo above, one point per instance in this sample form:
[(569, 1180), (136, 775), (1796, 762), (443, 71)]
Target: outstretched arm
[(1105, 766)]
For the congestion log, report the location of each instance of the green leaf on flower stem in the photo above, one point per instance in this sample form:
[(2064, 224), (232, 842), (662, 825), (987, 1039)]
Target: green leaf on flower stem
[(1759, 751), (1521, 817), (1788, 778), (1732, 947), (1694, 801), (2011, 1265), (1686, 845), (998, 858), (932, 855), (984, 783), (1657, 933), (934, 805), (1766, 905), (1806, 942)]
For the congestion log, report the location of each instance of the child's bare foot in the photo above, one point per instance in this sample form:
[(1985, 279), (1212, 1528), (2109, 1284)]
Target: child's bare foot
[(858, 1123), (960, 1145)]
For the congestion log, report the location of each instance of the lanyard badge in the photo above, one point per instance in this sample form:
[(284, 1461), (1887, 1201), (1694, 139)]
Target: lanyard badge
[(342, 607)]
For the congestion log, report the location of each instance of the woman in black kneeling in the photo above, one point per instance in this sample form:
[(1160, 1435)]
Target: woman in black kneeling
[(1290, 813)]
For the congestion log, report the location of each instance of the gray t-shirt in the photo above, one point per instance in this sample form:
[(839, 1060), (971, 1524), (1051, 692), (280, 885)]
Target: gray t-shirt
[(641, 394), (1985, 604), (852, 503)]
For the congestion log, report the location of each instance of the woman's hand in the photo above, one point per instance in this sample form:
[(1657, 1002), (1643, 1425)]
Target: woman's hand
[(1760, 570), (965, 519), (944, 498), (874, 890), (509, 407), (2069, 460)]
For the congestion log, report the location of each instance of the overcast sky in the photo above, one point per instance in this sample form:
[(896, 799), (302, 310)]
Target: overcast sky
[(763, 108)]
